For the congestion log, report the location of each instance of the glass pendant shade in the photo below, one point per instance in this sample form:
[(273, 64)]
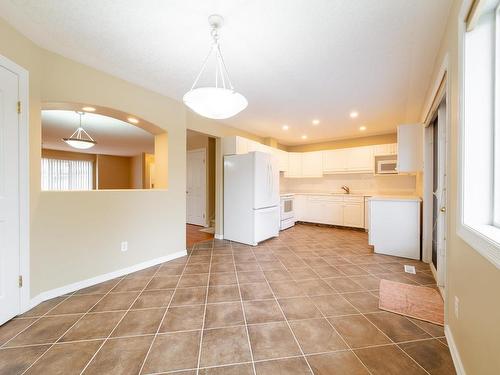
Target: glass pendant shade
[(216, 103), (80, 139), (220, 101)]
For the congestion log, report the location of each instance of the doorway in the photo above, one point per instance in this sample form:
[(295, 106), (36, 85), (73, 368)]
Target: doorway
[(14, 296), (436, 188)]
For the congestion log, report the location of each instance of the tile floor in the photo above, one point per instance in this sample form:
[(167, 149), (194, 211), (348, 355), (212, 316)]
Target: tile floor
[(305, 303)]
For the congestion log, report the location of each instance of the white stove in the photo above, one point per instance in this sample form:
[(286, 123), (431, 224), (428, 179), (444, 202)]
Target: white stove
[(287, 216)]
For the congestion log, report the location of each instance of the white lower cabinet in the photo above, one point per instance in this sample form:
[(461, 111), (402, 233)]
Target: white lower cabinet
[(330, 209)]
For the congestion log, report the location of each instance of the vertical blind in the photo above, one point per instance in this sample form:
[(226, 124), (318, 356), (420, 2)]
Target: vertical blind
[(60, 174)]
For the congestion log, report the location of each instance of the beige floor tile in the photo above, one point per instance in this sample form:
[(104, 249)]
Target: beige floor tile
[(223, 293), (226, 278), (358, 331), (45, 330), (139, 322), (262, 311), (134, 284), (189, 296), (94, 326), (284, 289), (243, 369), (299, 308), (333, 305), (255, 291), (251, 277), (272, 340), (432, 355), (188, 281), (341, 363), (363, 301), (388, 360), (289, 366), (76, 304), (153, 298), (17, 360), (183, 318), (122, 356), (224, 315), (67, 359), (224, 346), (173, 351), (163, 282), (114, 302), (317, 336), (10, 329), (397, 327)]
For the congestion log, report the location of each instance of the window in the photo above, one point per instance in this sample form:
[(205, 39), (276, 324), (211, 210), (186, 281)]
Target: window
[(60, 174), (480, 134)]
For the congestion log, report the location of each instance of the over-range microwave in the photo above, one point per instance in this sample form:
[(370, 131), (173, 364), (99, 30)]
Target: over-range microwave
[(386, 166)]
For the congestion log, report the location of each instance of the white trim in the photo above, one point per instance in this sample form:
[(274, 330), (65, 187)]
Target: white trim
[(443, 69), (24, 173), (44, 296), (455, 355), (218, 236), (473, 237), (205, 187)]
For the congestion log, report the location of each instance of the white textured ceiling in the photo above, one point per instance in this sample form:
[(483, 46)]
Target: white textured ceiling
[(294, 60), (113, 137)]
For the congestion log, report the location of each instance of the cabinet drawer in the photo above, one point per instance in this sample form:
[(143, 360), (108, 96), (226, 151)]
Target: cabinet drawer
[(354, 199)]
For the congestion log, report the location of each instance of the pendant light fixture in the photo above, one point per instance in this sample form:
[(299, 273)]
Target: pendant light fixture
[(80, 138), (220, 101)]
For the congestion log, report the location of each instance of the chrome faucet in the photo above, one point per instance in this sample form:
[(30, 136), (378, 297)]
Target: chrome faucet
[(346, 189)]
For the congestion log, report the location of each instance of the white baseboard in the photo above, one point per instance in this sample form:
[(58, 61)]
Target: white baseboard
[(44, 296), (459, 367), (218, 236)]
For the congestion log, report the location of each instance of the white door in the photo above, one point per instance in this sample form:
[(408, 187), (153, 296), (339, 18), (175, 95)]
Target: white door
[(196, 187), (9, 196)]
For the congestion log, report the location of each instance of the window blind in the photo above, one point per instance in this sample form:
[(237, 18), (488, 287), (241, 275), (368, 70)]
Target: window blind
[(60, 174)]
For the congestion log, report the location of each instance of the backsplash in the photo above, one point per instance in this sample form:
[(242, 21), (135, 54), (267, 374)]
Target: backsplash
[(358, 183)]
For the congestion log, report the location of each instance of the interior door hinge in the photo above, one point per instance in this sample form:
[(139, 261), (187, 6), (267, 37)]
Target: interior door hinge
[(18, 107), (20, 281)]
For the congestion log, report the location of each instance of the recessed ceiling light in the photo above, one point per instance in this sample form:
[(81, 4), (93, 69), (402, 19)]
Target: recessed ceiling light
[(362, 128), (88, 109), (315, 122), (354, 114), (132, 120), (304, 136), (285, 127)]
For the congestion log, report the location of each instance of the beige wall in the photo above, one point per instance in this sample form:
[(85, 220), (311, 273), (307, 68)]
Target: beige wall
[(344, 143), (153, 221), (470, 277)]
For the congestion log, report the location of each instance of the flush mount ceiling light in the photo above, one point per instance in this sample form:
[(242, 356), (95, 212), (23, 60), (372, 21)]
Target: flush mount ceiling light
[(285, 127), (315, 122), (132, 120), (304, 136), (80, 138), (354, 114), (220, 101), (362, 128), (88, 109)]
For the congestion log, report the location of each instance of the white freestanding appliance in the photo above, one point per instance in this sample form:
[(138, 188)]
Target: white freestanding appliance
[(251, 197)]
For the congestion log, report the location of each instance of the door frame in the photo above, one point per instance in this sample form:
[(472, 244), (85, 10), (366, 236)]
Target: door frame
[(24, 181), (204, 151), (440, 93)]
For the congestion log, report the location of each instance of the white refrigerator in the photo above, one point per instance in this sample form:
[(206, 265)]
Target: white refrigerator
[(251, 197)]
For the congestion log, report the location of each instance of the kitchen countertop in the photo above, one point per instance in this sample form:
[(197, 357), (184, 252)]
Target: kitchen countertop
[(377, 195)]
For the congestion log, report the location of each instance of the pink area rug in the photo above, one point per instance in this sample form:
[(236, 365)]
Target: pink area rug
[(417, 302)]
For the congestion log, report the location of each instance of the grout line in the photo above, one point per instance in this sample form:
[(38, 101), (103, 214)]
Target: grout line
[(74, 324), (164, 314), (121, 319), (244, 316), (204, 311)]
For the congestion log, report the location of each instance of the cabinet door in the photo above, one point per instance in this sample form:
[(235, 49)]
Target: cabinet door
[(360, 159), (312, 164), (299, 207), (367, 214), (282, 159), (384, 149), (335, 160), (410, 148), (294, 165), (354, 215), (335, 213)]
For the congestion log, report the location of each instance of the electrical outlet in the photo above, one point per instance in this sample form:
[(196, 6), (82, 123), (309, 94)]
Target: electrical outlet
[(457, 303), (124, 246)]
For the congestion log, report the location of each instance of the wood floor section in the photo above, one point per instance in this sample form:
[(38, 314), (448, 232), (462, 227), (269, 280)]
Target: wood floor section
[(194, 235)]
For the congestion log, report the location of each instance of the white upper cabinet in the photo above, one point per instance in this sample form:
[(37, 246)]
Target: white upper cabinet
[(312, 164), (294, 165), (335, 160), (410, 148), (282, 159), (348, 160), (386, 149), (360, 159)]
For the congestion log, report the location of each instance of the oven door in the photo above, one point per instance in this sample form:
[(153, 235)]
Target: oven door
[(287, 208)]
